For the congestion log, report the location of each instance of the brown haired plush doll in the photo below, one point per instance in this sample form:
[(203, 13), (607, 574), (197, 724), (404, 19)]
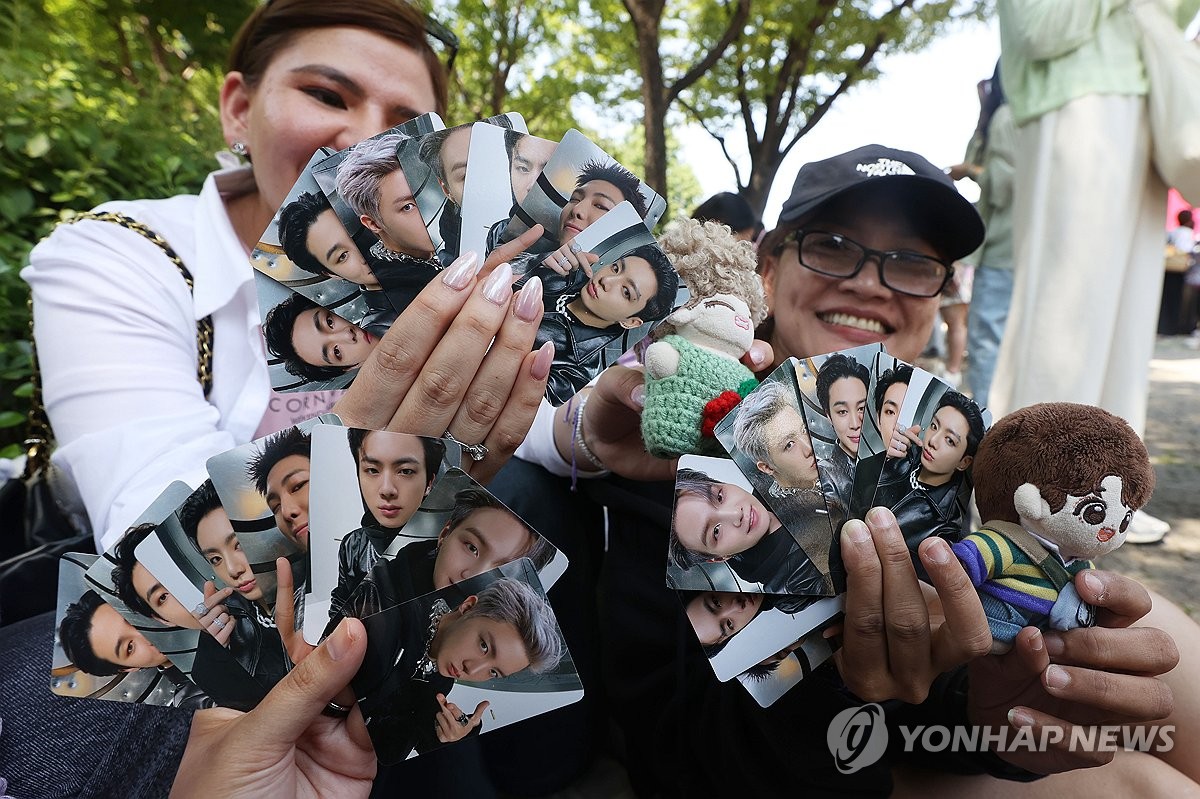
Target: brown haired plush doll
[(1059, 484)]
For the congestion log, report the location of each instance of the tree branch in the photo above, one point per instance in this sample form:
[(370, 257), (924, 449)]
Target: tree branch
[(738, 21), (737, 172)]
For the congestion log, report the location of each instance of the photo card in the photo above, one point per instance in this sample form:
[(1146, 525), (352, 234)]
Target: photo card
[(100, 650), (926, 477), (889, 382), (773, 677), (595, 319), (401, 499), (724, 537), (502, 166), (307, 249), (739, 631), (578, 184), (766, 436), (463, 660)]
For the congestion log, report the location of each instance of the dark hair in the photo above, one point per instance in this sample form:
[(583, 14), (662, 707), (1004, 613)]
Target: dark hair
[(1184, 217), (430, 151), (728, 209), (285, 443), (625, 181), (435, 449), (122, 573), (660, 305), (970, 412), (277, 329), (511, 139), (272, 27), (836, 367), (900, 373), (760, 672), (469, 500), (990, 103), (200, 503), (689, 481), (74, 635), (294, 222)]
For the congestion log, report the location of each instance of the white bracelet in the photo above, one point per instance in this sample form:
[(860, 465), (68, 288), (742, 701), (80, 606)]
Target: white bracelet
[(578, 440)]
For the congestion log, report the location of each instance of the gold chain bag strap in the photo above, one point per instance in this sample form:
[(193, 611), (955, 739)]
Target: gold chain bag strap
[(37, 445)]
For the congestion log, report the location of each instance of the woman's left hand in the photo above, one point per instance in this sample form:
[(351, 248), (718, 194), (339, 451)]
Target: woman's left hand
[(286, 747)]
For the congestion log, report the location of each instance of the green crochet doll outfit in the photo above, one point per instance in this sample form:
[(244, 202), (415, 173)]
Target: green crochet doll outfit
[(674, 410)]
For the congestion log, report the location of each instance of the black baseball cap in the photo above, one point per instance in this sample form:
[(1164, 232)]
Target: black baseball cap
[(945, 217)]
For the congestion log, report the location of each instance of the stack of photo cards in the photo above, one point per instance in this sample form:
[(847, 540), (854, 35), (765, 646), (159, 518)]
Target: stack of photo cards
[(395, 508), (364, 230), (182, 609), (469, 658)]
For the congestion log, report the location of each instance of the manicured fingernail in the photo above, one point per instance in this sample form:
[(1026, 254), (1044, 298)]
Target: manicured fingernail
[(529, 301), (337, 643), (1057, 677), (459, 273), (856, 531), (498, 287), (1055, 644), (938, 551), (541, 363), (638, 395), (1020, 717), (1096, 585)]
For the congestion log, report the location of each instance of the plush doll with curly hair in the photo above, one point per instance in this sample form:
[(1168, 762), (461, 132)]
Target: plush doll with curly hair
[(694, 374), (1059, 483)]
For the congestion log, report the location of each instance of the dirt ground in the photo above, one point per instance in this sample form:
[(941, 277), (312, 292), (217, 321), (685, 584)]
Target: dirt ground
[(1173, 437)]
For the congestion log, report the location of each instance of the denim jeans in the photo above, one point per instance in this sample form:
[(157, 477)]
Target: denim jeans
[(985, 326)]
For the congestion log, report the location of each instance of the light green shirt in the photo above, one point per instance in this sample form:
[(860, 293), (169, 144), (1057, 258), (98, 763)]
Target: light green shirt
[(995, 189), (1055, 51)]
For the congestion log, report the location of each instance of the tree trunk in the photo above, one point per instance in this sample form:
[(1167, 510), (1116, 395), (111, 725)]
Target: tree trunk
[(654, 100)]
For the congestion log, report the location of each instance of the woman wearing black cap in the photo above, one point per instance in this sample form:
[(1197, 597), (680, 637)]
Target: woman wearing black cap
[(892, 223)]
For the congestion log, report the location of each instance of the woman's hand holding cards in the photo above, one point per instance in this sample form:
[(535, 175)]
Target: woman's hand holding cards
[(458, 360)]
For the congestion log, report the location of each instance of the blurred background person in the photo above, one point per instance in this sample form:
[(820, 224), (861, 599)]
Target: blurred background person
[(989, 162), (733, 210)]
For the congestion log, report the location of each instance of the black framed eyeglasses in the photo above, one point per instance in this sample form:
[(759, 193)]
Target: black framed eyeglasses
[(834, 255)]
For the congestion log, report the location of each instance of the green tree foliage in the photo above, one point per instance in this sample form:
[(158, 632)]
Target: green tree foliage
[(794, 59), (100, 100)]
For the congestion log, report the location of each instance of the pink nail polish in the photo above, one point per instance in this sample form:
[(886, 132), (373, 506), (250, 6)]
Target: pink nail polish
[(529, 302), (541, 363), (498, 287), (458, 275)]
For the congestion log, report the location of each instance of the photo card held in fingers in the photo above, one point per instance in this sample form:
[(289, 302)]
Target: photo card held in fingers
[(463, 660), (767, 438), (926, 477), (889, 379), (724, 537), (774, 676), (395, 507), (739, 631)]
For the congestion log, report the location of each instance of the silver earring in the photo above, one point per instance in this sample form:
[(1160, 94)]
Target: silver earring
[(239, 148)]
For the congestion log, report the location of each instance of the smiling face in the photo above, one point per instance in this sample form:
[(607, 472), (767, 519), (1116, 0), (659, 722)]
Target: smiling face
[(476, 648), (790, 450), (529, 157), (391, 476), (399, 226), (165, 606), (617, 293), (485, 539), (847, 404), (1091, 525), (944, 447), (287, 497), (322, 338), (718, 616), (330, 244), (587, 203), (815, 314), (454, 163), (117, 641), (220, 546), (731, 522), (322, 90), (893, 399)]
